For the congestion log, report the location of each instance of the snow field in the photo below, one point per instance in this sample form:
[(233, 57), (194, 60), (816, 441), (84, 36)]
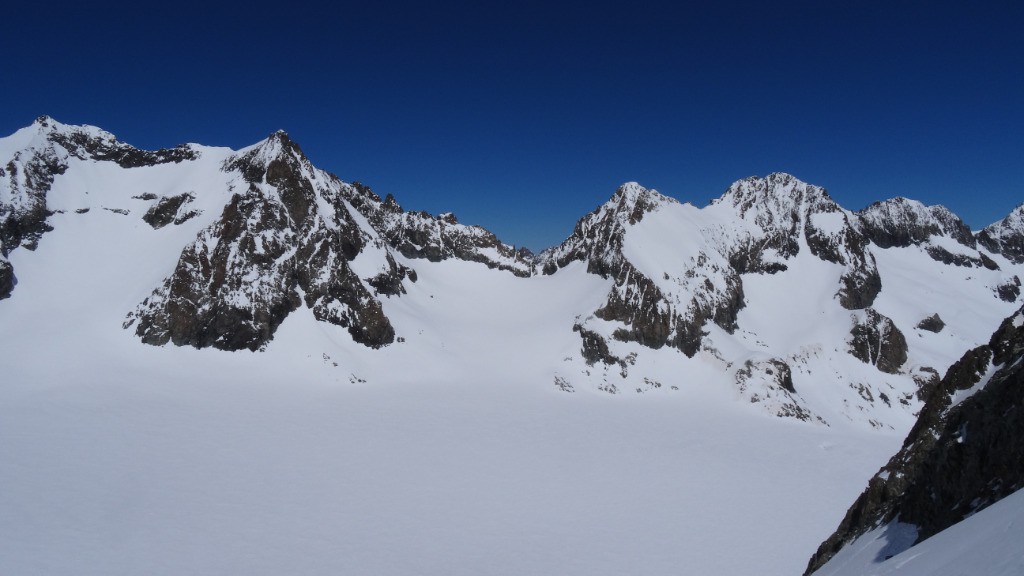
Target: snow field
[(456, 455)]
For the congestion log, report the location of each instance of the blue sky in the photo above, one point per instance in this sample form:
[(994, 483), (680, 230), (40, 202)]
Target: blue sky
[(523, 116)]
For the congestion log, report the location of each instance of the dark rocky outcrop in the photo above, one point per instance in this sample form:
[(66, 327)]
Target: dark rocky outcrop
[(389, 282), (901, 222), (435, 238), (965, 452), (595, 347), (940, 254), (107, 149), (932, 323), (860, 286), (770, 382), (169, 210), (1006, 237), (875, 340), (23, 221), (211, 299), (1009, 290), (597, 237), (7, 279)]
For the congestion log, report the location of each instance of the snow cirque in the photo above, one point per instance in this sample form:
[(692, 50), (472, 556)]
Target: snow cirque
[(233, 361)]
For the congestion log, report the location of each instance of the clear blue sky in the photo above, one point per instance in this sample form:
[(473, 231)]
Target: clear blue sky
[(523, 116)]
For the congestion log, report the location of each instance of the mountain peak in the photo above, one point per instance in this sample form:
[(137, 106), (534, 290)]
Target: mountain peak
[(901, 222), (254, 160), (776, 188), (1006, 237), (52, 129), (634, 200), (1015, 219), (279, 142)]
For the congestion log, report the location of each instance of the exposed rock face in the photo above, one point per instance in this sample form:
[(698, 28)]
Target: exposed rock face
[(770, 382), (290, 239), (435, 238), (875, 339), (7, 279), (171, 209), (932, 323), (1009, 290), (103, 146), (965, 452), (237, 282), (649, 315), (785, 211), (902, 222), (940, 254), (1006, 237), (595, 348), (597, 237), (389, 281), (28, 176)]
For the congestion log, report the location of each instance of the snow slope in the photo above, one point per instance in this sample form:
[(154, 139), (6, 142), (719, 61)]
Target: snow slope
[(987, 543), (135, 459)]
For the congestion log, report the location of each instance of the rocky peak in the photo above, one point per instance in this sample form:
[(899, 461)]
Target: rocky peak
[(904, 222), (777, 198), (1006, 237), (597, 237), (255, 162), (631, 201), (782, 214), (652, 311), (287, 239)]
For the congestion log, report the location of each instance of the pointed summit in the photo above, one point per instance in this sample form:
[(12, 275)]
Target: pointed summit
[(283, 140), (597, 237), (277, 143), (275, 157), (1006, 237), (634, 200)]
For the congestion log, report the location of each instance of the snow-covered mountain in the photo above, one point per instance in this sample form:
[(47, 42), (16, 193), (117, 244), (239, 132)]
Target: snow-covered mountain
[(121, 266), (965, 453), (774, 290), (800, 305)]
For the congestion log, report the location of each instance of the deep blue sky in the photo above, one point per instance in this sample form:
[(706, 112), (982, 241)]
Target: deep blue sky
[(523, 116)]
